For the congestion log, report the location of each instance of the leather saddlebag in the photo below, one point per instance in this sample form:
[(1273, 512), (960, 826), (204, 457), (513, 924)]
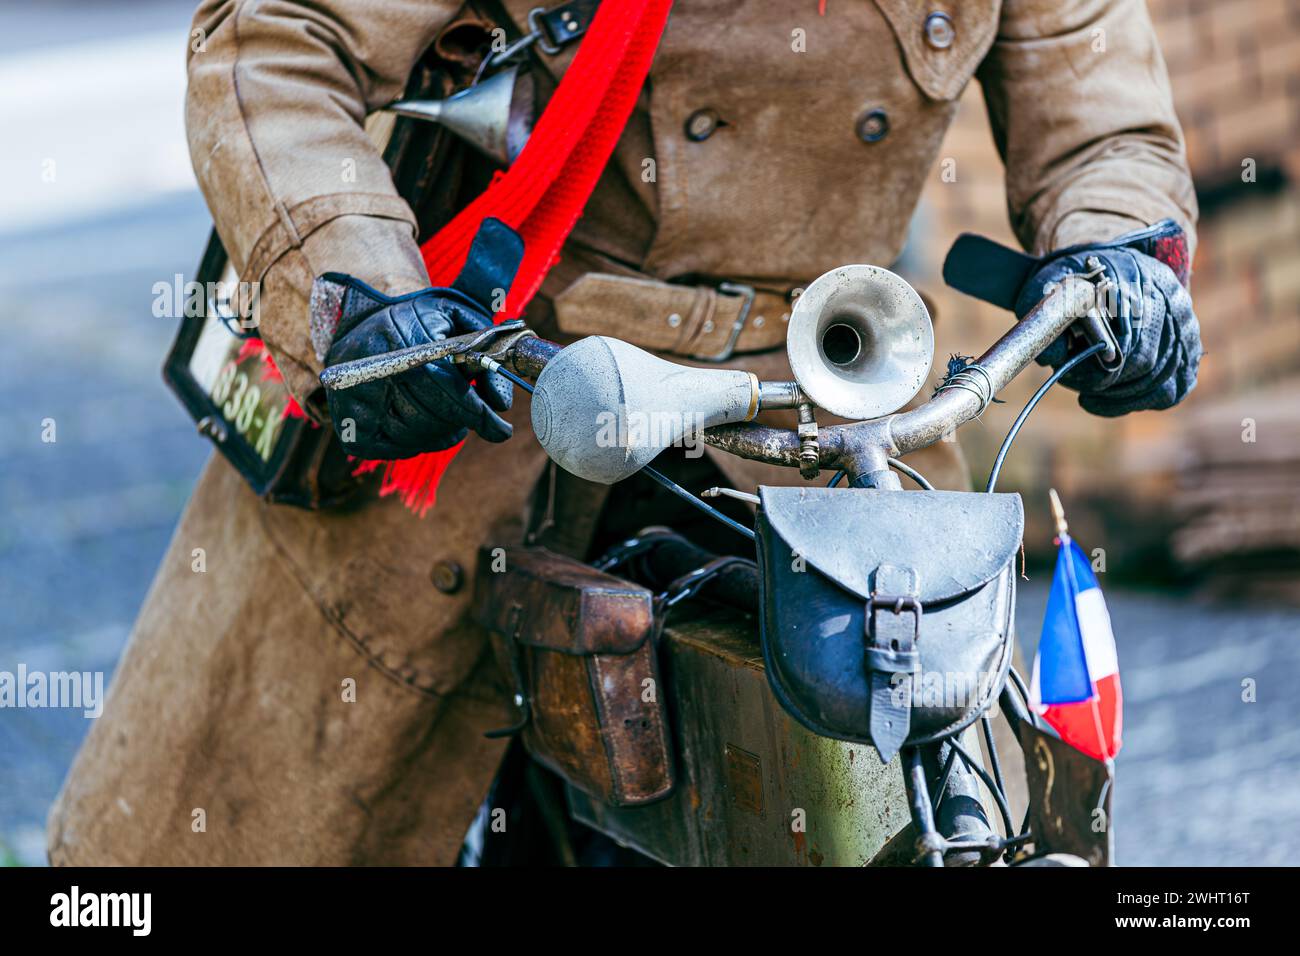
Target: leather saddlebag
[(579, 646), (887, 615)]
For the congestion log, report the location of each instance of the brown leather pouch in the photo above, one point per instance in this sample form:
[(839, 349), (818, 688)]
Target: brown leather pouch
[(579, 645)]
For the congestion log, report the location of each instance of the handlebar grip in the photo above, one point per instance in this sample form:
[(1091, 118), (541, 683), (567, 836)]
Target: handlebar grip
[(529, 355)]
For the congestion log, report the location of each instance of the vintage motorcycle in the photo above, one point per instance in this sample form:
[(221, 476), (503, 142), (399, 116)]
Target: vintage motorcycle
[(854, 725)]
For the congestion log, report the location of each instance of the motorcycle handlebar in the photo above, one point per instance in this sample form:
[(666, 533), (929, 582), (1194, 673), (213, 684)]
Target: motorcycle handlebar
[(861, 449)]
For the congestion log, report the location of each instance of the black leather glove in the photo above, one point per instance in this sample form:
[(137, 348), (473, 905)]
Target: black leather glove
[(433, 407), (1150, 312)]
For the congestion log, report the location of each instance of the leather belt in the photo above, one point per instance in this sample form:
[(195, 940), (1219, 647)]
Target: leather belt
[(706, 323)]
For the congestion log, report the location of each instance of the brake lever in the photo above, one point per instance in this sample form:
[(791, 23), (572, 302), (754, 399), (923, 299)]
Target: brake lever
[(1095, 324), (458, 348)]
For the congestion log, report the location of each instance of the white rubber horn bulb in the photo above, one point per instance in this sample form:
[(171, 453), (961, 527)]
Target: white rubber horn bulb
[(603, 409)]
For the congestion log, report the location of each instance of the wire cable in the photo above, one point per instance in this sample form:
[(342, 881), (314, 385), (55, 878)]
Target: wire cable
[(691, 499), (911, 472), (1029, 407)]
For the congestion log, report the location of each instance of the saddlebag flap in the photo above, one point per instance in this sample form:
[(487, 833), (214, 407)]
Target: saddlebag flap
[(579, 646), (887, 615)]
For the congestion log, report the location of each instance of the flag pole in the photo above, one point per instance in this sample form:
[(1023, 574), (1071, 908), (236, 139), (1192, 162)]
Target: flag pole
[(1058, 513)]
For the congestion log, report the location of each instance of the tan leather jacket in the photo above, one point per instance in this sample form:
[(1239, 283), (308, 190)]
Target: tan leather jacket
[(783, 188)]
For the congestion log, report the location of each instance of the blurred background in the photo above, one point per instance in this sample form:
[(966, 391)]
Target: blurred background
[(1200, 527)]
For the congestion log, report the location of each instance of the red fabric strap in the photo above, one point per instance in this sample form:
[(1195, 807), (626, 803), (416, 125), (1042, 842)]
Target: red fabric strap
[(543, 193)]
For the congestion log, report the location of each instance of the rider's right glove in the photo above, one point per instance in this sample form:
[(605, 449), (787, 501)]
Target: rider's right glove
[(432, 407), (1151, 315)]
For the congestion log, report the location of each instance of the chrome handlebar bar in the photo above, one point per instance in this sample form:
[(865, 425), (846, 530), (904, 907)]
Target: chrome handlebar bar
[(861, 449)]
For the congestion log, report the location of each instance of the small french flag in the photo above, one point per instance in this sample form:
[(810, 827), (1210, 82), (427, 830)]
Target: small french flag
[(1076, 670)]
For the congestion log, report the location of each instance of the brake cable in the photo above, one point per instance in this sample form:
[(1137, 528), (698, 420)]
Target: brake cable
[(1029, 407)]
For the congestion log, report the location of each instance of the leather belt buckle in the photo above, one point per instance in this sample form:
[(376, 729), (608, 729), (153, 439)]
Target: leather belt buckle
[(890, 649), (729, 348)]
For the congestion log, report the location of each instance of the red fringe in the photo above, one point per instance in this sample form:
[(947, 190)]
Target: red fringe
[(413, 480)]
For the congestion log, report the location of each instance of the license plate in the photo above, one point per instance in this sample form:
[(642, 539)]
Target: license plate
[(220, 372)]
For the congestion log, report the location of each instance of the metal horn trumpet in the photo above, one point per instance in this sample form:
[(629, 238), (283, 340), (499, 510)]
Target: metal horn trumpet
[(495, 116), (860, 342)]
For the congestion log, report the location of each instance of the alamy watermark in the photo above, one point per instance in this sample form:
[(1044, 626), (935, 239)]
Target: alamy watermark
[(950, 689), (133, 911), (78, 690), (238, 302), (626, 428)]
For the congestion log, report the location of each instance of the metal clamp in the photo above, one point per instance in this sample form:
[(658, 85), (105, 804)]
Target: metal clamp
[(732, 288), (810, 454), (541, 35)]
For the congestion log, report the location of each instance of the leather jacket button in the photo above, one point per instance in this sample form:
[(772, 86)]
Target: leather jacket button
[(939, 31), (701, 124), (873, 125), (447, 576)]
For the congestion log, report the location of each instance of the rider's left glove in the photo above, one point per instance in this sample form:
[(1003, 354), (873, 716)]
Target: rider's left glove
[(432, 407), (1150, 312)]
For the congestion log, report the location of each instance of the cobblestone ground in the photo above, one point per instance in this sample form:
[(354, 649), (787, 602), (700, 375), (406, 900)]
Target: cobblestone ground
[(1204, 779)]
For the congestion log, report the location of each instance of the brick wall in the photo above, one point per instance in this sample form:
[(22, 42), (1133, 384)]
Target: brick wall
[(1235, 70)]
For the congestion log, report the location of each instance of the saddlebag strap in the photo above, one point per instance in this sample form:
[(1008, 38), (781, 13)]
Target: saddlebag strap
[(706, 323), (893, 623)]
